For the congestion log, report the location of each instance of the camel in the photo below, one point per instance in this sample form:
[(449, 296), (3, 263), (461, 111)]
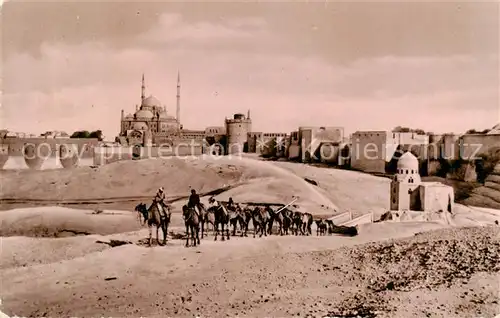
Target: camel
[(234, 216), (154, 215), (142, 210), (221, 216), (207, 217), (246, 216), (279, 217), (307, 220), (192, 222), (261, 218), (296, 222), (287, 220)]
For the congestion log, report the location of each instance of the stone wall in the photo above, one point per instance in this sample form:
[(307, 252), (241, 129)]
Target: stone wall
[(45, 153), (472, 146), (368, 151)]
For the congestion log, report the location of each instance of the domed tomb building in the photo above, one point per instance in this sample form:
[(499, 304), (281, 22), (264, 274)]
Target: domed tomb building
[(409, 193), (151, 116)]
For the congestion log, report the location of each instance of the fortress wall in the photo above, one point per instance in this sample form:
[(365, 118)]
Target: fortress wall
[(450, 149), (46, 153), (472, 146), (368, 151), (85, 145)]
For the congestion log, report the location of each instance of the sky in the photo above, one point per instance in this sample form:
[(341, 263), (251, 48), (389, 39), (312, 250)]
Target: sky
[(360, 65)]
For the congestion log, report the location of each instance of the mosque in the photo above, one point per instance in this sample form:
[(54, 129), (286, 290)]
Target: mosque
[(151, 123), (410, 194)]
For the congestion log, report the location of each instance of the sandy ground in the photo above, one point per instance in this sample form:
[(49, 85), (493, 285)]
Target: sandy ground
[(52, 265)]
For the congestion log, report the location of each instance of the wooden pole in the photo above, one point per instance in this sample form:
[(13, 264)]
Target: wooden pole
[(282, 208)]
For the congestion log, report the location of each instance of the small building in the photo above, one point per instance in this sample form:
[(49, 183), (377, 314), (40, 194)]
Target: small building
[(409, 193)]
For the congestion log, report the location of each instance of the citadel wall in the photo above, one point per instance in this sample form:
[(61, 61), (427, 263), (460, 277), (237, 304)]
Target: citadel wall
[(368, 151), (46, 153), (472, 146)]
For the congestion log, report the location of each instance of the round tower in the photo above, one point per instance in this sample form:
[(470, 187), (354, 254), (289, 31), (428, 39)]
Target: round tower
[(236, 132), (68, 155)]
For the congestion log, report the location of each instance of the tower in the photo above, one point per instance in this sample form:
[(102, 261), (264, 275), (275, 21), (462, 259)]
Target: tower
[(143, 89), (248, 114), (178, 110), (237, 129)]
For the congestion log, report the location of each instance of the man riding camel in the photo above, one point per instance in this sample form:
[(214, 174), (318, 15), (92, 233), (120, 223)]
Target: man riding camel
[(194, 201), (230, 204), (160, 199)]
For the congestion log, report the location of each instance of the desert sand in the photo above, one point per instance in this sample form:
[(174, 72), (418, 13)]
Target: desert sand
[(56, 263)]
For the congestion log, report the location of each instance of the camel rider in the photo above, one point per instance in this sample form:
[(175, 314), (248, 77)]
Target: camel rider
[(230, 204), (160, 198), (194, 201)]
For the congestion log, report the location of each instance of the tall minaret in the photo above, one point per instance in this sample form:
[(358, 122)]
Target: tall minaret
[(248, 114), (178, 115), (143, 89)]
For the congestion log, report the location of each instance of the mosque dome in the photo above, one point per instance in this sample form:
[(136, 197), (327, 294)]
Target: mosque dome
[(144, 113), (140, 125), (151, 101), (408, 162)]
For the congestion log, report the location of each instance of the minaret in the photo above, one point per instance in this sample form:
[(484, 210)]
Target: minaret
[(143, 89), (178, 115), (248, 114)]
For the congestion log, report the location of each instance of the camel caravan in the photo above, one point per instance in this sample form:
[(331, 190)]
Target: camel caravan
[(230, 216)]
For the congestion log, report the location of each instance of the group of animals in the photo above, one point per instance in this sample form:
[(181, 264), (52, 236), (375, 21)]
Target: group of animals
[(222, 216)]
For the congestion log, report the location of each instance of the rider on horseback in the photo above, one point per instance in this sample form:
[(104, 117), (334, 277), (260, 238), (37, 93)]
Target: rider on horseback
[(194, 201)]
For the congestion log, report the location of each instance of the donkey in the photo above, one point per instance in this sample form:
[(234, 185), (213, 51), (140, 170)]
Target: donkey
[(155, 216), (192, 223)]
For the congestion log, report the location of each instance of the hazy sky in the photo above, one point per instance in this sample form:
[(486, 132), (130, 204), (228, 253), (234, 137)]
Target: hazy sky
[(71, 66)]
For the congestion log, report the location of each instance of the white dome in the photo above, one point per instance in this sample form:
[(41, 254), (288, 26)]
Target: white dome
[(151, 101), (139, 125), (408, 161)]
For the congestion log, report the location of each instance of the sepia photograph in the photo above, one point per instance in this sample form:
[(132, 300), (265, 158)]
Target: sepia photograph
[(274, 158)]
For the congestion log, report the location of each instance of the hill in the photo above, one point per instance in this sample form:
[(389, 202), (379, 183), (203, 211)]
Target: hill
[(489, 194)]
